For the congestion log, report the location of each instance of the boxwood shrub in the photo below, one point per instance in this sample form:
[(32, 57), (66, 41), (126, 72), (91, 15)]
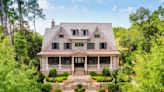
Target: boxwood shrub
[(105, 72), (52, 73), (46, 87), (93, 73)]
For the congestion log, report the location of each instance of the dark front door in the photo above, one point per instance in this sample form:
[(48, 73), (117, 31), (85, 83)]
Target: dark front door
[(79, 62)]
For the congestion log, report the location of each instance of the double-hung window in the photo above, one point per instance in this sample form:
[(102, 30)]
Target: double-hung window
[(103, 45), (55, 45)]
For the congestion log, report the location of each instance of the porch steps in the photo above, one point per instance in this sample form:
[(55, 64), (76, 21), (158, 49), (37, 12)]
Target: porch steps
[(79, 71)]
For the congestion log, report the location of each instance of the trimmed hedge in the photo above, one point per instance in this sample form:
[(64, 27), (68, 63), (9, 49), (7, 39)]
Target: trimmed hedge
[(93, 73), (52, 73), (105, 72), (101, 90), (58, 90)]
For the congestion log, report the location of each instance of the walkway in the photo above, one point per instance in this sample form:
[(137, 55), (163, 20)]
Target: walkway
[(85, 80)]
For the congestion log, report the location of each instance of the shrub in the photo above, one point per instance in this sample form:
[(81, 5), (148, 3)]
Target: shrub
[(79, 88), (99, 78), (93, 73), (58, 90), (52, 73), (112, 87), (46, 87), (108, 79), (40, 77), (105, 72), (65, 74), (50, 80), (101, 90)]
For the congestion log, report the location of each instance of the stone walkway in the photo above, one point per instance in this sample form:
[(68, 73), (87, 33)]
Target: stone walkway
[(85, 80)]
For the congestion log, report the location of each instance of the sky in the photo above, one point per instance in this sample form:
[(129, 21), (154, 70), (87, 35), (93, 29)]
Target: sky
[(100, 11)]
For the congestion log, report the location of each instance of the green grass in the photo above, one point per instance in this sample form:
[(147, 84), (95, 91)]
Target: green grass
[(101, 78), (59, 78)]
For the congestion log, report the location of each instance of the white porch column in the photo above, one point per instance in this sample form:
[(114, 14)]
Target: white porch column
[(111, 63), (98, 63), (46, 64), (85, 64), (59, 63), (72, 64)]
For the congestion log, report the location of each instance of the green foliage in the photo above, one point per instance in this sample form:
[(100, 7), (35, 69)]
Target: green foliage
[(101, 90), (15, 77), (65, 74), (46, 87), (113, 87), (79, 88), (93, 73), (98, 78), (58, 90), (105, 72), (60, 78), (52, 73)]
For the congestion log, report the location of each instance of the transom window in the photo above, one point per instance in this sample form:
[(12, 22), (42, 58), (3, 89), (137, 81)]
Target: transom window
[(75, 32), (90, 45), (53, 60), (79, 44), (67, 45), (55, 45), (103, 45)]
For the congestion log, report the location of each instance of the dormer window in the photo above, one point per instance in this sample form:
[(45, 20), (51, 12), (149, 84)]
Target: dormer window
[(75, 32), (61, 36), (97, 36), (85, 32)]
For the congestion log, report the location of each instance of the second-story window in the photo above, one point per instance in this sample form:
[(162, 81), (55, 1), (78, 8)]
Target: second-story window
[(103, 45), (67, 45), (85, 32), (90, 45), (55, 45), (75, 32), (79, 44)]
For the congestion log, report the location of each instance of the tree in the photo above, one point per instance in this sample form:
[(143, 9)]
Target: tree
[(15, 77)]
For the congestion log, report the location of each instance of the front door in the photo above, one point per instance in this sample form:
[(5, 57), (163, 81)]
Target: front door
[(79, 62)]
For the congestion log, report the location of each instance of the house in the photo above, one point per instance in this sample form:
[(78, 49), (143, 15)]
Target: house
[(79, 48)]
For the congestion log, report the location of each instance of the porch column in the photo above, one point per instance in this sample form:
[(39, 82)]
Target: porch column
[(111, 60), (98, 63), (59, 63), (86, 64), (72, 64), (46, 63)]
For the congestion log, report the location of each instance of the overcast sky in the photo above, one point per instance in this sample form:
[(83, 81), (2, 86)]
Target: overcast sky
[(108, 11)]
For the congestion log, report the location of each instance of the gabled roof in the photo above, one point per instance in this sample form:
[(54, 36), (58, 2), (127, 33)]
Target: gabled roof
[(104, 28)]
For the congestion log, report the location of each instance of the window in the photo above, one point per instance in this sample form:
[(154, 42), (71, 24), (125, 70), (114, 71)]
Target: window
[(67, 45), (53, 60), (55, 45), (103, 45), (66, 60), (85, 31), (92, 60), (97, 36), (79, 44), (104, 60), (90, 45), (61, 36), (75, 32)]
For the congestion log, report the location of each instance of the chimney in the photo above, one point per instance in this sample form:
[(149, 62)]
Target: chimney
[(53, 24)]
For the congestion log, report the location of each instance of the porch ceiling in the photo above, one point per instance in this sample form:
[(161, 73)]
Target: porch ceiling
[(69, 53)]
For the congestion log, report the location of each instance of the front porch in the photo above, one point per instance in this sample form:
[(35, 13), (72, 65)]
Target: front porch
[(84, 63)]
